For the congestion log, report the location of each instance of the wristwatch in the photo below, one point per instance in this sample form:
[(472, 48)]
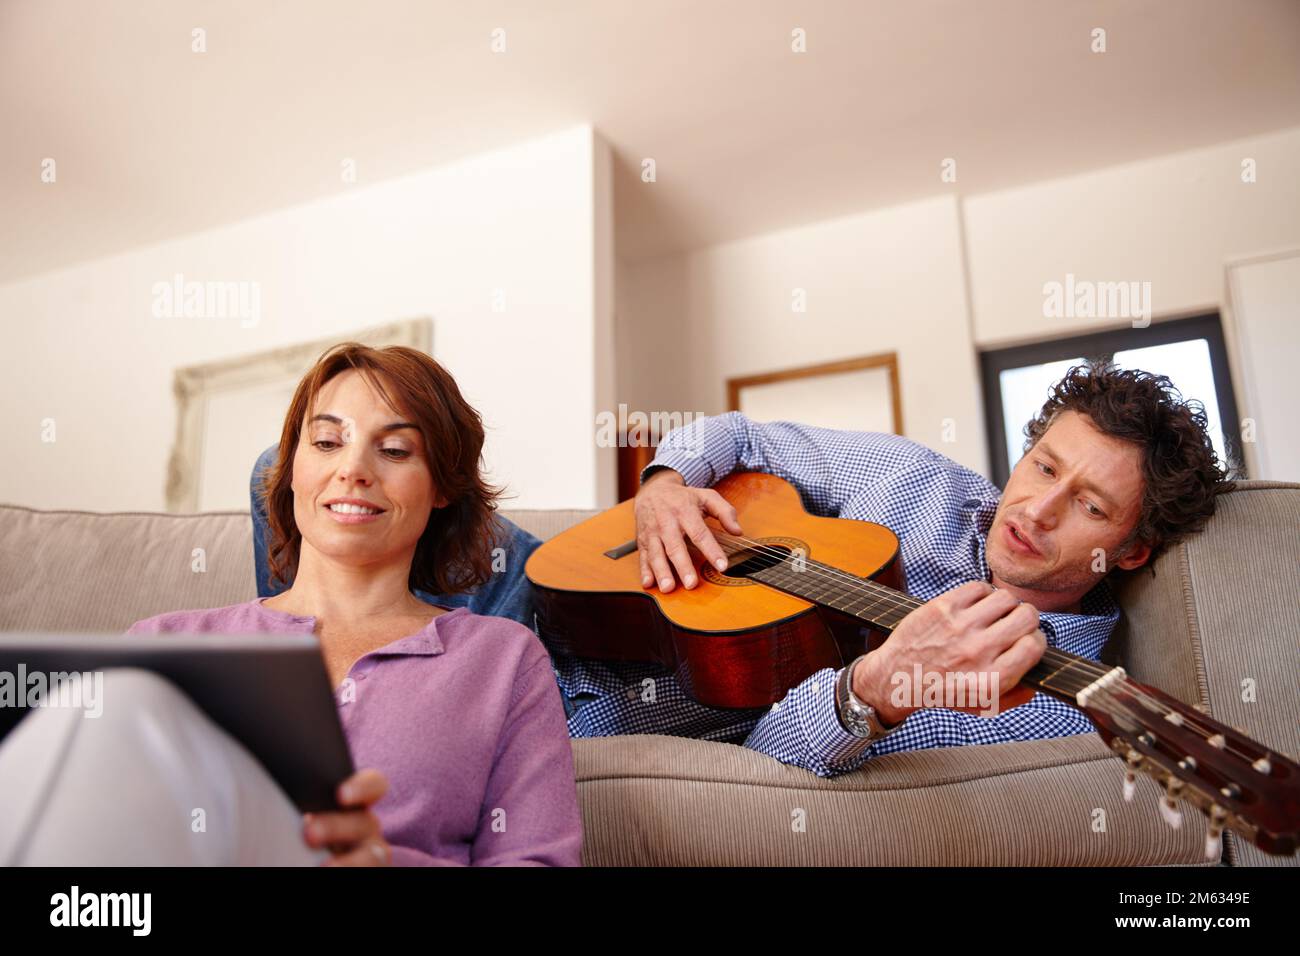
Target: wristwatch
[(856, 717)]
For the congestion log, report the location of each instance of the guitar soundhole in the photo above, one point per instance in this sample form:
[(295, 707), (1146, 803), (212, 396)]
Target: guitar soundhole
[(758, 561), (772, 551)]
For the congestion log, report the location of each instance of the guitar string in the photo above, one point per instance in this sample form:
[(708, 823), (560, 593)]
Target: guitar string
[(1060, 659), (895, 600), (903, 600), (1056, 657)]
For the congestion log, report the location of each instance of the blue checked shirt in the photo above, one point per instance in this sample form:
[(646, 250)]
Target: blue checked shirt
[(941, 513)]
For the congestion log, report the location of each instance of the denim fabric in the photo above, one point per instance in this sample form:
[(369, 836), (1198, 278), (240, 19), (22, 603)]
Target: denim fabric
[(507, 594)]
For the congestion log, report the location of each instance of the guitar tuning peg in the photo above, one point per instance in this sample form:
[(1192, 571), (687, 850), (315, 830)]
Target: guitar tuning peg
[(1133, 758), (1169, 811), (1214, 835)]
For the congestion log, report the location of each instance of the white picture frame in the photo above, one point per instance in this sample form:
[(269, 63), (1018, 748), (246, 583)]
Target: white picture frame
[(215, 400)]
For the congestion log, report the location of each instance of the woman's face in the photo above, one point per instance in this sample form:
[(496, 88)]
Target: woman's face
[(362, 490)]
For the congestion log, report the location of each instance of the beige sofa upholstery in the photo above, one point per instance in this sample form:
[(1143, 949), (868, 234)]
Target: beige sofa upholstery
[(1219, 618)]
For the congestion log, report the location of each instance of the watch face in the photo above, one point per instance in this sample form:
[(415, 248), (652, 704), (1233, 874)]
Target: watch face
[(861, 720), (856, 716)]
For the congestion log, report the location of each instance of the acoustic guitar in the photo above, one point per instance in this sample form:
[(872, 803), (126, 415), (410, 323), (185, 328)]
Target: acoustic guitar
[(801, 593)]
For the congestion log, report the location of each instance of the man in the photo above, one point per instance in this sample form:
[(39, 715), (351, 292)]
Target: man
[(1117, 468)]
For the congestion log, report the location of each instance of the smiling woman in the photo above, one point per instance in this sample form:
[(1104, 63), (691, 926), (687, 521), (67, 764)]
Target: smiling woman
[(376, 493), (435, 443)]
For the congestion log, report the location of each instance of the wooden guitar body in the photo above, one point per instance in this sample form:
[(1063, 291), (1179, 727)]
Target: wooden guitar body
[(731, 641)]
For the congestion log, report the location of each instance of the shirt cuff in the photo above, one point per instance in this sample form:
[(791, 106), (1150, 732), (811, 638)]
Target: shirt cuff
[(695, 471), (828, 742)]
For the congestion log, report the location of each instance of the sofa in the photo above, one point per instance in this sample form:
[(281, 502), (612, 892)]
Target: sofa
[(1214, 615)]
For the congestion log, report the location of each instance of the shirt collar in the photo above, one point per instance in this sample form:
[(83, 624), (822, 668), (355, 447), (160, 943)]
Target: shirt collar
[(426, 641)]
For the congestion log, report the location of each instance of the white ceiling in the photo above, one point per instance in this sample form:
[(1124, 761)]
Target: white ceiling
[(153, 141)]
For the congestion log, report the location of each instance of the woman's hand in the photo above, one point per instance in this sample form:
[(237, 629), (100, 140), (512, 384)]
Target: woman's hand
[(352, 835)]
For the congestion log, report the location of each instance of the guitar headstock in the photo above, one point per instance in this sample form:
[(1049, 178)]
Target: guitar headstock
[(1236, 782)]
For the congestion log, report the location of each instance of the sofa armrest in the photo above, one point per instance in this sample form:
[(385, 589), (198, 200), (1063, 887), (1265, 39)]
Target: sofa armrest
[(670, 801)]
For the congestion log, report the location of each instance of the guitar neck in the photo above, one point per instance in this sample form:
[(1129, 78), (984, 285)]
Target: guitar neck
[(872, 603), (1058, 674)]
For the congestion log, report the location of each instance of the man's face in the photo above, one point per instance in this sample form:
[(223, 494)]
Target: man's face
[(1076, 491)]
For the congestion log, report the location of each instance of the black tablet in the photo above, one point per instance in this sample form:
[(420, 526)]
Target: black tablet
[(270, 692)]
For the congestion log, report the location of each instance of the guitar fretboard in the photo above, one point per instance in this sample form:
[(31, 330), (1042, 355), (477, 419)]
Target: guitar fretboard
[(1058, 673), (873, 604)]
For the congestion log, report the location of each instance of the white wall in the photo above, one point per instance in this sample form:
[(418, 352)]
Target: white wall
[(82, 347), (604, 341), (1175, 222), (1265, 310), (876, 282), (535, 220), (894, 280)]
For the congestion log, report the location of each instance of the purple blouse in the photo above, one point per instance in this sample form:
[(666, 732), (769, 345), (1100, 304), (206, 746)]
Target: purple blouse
[(464, 718)]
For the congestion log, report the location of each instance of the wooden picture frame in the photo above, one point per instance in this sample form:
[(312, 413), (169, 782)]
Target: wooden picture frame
[(885, 360)]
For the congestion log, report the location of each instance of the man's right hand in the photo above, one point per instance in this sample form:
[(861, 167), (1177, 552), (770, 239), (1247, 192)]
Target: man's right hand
[(973, 629), (668, 514)]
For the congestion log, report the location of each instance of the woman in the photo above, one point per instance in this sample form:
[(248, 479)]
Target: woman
[(457, 716)]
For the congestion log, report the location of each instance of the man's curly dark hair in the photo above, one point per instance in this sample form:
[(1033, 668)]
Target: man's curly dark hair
[(1181, 471)]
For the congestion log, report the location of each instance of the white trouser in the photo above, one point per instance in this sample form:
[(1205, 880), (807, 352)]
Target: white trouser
[(152, 781)]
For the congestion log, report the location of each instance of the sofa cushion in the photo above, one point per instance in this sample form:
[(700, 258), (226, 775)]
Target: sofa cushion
[(75, 570), (670, 801), (82, 571)]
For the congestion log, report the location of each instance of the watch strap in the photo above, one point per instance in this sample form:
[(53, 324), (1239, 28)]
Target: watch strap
[(856, 717)]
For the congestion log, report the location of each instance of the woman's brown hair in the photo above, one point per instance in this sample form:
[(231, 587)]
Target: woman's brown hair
[(454, 553), (1181, 471)]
